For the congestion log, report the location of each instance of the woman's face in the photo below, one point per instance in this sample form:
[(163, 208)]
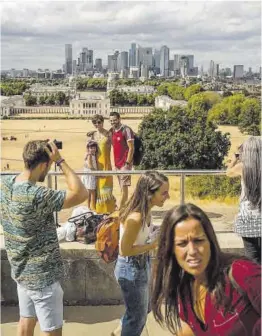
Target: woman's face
[(98, 124), (161, 195), (192, 247)]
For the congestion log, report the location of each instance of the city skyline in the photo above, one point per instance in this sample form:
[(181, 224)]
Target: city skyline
[(186, 28)]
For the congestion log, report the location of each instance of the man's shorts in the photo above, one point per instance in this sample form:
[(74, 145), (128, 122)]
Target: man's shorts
[(45, 304), (124, 180)]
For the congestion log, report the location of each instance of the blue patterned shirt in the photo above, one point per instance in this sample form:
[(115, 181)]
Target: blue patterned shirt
[(30, 232)]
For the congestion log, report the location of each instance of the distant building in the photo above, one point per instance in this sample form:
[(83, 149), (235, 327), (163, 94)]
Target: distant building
[(177, 61), (212, 69), (8, 104), (165, 102), (156, 58), (90, 106), (123, 61), (238, 71), (144, 71), (216, 72), (164, 59), (25, 73), (147, 57), (171, 65), (13, 73), (139, 89), (132, 55), (133, 72), (41, 90), (68, 59), (86, 62), (192, 72), (112, 62), (74, 67), (98, 64), (124, 73)]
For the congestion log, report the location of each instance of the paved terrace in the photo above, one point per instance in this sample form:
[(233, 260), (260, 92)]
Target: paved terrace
[(101, 320), (93, 302)]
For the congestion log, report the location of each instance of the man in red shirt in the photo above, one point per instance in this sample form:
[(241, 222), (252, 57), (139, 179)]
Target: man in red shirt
[(123, 148)]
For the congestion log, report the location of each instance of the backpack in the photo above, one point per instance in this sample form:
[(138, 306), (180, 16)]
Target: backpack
[(86, 224), (139, 150), (107, 238)]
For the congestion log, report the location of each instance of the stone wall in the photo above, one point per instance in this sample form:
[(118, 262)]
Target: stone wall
[(88, 279)]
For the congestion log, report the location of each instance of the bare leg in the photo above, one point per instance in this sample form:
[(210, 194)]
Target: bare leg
[(26, 326), (57, 332), (124, 196), (92, 200)]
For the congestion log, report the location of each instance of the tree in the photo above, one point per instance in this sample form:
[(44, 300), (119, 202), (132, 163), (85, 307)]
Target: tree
[(203, 102), (50, 100), (179, 140), (228, 110), (250, 117), (162, 89), (60, 98), (176, 92), (42, 100), (30, 100), (192, 90), (227, 93)]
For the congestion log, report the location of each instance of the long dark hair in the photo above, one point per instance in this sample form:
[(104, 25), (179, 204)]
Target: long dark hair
[(251, 160), (147, 185), (171, 283)]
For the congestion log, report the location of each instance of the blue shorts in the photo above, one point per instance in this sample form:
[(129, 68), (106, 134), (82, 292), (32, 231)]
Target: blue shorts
[(45, 304)]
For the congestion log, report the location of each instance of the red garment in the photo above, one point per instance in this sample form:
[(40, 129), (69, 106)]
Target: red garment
[(246, 319), (120, 147)]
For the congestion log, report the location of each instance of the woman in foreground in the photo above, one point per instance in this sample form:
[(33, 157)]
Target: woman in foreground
[(198, 289)]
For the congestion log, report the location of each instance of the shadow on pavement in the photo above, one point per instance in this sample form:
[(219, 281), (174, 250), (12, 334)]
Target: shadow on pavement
[(76, 314), (90, 315)]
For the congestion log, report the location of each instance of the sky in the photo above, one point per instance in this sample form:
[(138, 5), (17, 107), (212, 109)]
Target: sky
[(34, 34)]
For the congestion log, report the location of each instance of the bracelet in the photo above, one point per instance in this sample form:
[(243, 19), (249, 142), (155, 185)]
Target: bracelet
[(60, 161)]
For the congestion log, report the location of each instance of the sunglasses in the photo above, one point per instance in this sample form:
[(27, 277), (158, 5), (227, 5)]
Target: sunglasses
[(97, 122)]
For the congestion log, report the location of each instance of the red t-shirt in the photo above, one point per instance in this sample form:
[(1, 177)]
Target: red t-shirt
[(246, 318), (120, 138)]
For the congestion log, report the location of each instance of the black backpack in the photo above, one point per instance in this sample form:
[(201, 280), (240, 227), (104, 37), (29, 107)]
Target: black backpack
[(86, 224), (139, 150)]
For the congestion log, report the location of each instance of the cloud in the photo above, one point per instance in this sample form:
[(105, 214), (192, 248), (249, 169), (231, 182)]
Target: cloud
[(33, 34)]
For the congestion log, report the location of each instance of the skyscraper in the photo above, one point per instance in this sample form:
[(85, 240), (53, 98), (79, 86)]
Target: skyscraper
[(212, 69), (123, 60), (68, 59), (177, 62), (132, 55), (238, 71), (112, 61), (98, 64), (164, 59), (147, 57)]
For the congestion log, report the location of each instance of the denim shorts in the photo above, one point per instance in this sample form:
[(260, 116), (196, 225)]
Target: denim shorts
[(45, 304)]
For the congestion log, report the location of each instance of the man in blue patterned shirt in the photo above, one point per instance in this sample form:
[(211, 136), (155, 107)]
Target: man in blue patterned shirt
[(31, 239)]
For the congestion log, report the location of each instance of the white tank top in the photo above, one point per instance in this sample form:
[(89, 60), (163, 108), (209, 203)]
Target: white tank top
[(142, 236)]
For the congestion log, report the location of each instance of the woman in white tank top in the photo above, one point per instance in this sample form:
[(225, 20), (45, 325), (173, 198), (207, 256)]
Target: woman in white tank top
[(132, 269)]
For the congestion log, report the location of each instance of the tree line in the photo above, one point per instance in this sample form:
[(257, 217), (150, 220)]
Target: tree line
[(119, 98), (59, 98)]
